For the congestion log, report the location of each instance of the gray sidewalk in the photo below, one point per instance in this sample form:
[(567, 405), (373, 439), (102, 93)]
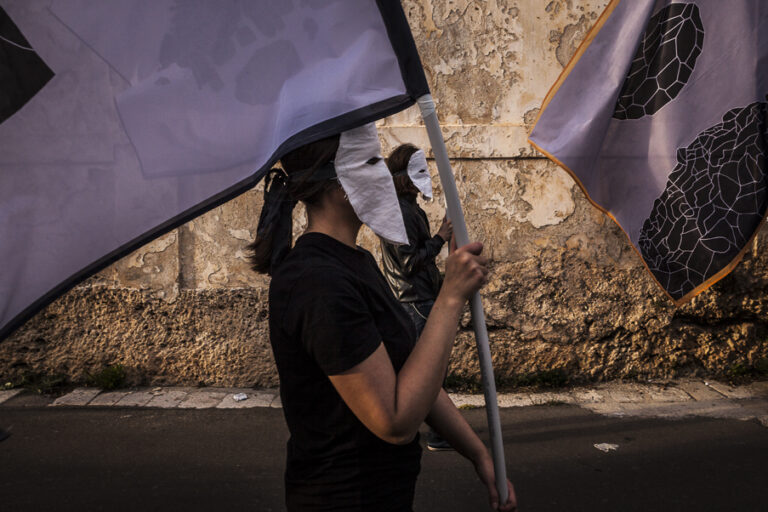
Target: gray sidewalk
[(674, 399)]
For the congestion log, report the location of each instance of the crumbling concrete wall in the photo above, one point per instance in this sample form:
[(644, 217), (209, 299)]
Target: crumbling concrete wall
[(568, 292)]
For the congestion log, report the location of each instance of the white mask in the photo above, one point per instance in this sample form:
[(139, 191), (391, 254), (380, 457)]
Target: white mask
[(369, 186), (419, 173)]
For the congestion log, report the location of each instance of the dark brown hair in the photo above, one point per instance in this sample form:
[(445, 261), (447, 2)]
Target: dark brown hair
[(308, 159), (397, 162)]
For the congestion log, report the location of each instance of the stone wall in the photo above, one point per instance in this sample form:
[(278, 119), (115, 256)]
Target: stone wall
[(568, 292)]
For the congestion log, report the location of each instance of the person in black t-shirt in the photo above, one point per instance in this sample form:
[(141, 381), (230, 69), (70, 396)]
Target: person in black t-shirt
[(356, 381)]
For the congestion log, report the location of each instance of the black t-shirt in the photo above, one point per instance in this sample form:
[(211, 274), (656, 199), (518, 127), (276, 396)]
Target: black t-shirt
[(330, 308)]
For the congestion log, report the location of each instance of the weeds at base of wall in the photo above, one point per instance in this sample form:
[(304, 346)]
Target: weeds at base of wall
[(41, 383), (108, 378), (463, 384), (740, 374), (556, 378), (547, 379)]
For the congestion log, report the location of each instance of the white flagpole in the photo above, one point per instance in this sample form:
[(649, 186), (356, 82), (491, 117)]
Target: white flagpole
[(456, 215)]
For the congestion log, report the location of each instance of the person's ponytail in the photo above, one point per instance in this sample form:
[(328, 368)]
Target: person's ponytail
[(274, 232)]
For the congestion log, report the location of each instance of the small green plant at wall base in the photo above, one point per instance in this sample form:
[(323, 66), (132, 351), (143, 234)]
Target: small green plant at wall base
[(739, 373), (111, 377), (45, 384), (737, 370), (460, 383)]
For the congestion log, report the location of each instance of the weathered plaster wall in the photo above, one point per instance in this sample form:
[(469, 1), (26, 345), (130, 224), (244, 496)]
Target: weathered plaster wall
[(568, 291)]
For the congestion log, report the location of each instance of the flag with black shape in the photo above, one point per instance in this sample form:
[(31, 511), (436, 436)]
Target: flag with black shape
[(120, 121), (661, 119)]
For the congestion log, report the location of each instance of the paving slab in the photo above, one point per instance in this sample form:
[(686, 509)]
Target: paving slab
[(610, 408), (676, 410), (668, 394), (513, 400), (464, 400), (587, 395), (7, 394), (254, 399), (29, 399), (79, 396), (698, 390), (138, 398), (202, 399), (735, 393), (672, 410), (169, 398), (552, 398), (625, 393), (759, 389), (718, 409), (108, 398)]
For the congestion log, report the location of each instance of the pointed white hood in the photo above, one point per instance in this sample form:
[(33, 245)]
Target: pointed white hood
[(364, 176), (418, 171)]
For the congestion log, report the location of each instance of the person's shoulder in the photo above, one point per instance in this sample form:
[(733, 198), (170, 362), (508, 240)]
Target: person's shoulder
[(302, 270), (318, 262), (304, 288), (311, 274)]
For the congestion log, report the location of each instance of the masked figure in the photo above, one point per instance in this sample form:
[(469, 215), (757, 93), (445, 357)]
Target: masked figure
[(356, 380), (410, 269)]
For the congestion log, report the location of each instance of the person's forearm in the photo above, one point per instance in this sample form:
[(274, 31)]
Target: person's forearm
[(421, 377), (434, 245), (447, 421), (393, 405)]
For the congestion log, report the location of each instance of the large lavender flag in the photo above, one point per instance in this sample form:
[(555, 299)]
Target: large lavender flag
[(120, 120), (661, 118)]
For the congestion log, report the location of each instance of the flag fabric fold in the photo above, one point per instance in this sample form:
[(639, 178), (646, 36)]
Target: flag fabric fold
[(661, 119), (130, 118)]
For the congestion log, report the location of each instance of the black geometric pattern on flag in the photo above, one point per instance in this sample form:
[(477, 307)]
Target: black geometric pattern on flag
[(714, 201), (22, 72), (663, 63)]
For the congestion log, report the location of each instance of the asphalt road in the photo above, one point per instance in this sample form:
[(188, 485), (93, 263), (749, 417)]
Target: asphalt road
[(116, 459)]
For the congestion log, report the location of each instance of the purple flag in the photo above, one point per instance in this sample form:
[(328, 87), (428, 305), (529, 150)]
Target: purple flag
[(121, 120), (661, 119)]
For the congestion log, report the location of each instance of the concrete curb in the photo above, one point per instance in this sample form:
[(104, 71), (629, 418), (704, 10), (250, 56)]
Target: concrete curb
[(675, 399), (7, 394)]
